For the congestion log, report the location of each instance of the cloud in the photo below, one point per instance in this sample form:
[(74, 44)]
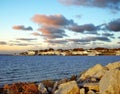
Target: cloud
[(35, 34), (52, 32), (26, 39), (89, 39), (21, 27), (86, 28), (23, 44), (51, 20), (20, 44), (114, 25), (108, 34), (3, 43), (112, 4), (92, 29), (56, 41), (105, 39)]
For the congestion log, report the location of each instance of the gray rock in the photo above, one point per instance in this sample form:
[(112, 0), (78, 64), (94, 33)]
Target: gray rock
[(42, 89), (55, 87)]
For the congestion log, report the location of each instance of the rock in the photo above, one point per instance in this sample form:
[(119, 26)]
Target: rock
[(91, 71), (113, 65), (55, 87), (42, 89), (73, 77), (82, 91), (90, 79), (92, 86), (101, 73), (30, 89), (91, 92), (97, 92), (110, 82), (93, 79), (2, 91), (63, 81), (48, 84), (68, 88), (21, 88)]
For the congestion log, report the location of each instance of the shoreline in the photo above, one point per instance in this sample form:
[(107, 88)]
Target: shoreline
[(92, 80)]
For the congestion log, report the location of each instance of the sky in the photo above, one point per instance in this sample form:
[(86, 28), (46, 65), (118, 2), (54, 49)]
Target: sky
[(59, 24)]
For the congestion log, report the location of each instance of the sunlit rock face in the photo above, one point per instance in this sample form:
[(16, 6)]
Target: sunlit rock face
[(91, 71), (110, 82), (68, 88), (113, 65)]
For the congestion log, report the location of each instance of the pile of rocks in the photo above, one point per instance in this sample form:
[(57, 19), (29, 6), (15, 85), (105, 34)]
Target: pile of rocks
[(96, 80)]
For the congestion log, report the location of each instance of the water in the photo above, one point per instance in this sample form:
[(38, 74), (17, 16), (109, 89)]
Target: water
[(38, 68)]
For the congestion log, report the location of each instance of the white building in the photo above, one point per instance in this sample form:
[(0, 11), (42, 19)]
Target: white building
[(31, 52)]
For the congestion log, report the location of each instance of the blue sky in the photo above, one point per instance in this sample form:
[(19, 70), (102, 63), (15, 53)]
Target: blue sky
[(40, 24)]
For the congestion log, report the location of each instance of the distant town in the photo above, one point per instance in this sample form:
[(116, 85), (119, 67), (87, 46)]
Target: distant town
[(73, 52)]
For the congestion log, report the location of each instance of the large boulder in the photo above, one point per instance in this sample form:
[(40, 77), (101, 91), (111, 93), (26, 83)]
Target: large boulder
[(110, 82), (68, 88), (113, 65), (101, 73), (91, 72)]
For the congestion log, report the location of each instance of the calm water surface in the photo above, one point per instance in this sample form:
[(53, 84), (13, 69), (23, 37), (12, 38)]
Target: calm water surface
[(38, 68)]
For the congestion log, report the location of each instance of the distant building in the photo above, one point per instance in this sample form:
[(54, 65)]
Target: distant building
[(118, 53), (31, 52)]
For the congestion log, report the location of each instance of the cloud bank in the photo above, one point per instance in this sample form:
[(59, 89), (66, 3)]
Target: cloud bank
[(22, 27), (52, 32), (3, 43), (26, 39), (89, 39), (51, 20), (111, 4), (86, 28), (114, 25)]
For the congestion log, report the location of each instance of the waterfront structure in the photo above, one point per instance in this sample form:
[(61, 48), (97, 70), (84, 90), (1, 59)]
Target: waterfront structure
[(77, 51)]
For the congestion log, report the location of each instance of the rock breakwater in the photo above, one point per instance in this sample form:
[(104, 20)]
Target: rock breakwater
[(96, 80)]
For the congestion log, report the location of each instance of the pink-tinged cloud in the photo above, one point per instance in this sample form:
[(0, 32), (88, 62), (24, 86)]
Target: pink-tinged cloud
[(52, 32), (21, 27), (51, 20), (35, 34)]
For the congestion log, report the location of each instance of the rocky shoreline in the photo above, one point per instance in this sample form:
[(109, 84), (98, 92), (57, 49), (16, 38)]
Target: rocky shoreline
[(96, 80)]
